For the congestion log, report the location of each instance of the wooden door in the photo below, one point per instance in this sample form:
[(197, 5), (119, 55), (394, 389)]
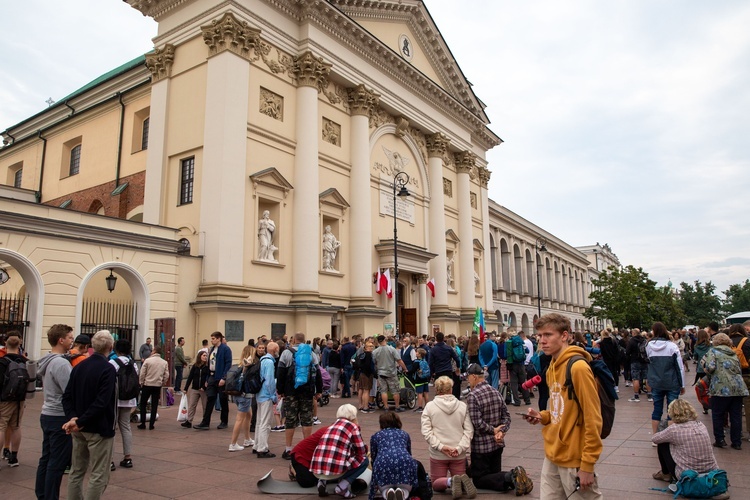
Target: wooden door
[(408, 322)]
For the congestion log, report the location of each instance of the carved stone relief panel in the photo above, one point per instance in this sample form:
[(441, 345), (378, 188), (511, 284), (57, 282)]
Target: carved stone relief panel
[(271, 104), (473, 198), (331, 132), (447, 188)]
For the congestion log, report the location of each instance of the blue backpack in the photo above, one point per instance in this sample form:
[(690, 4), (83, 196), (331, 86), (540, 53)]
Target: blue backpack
[(302, 364), (424, 370), (694, 485), (519, 349)]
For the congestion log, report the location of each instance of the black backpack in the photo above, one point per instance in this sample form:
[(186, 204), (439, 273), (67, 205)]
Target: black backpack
[(253, 382), (605, 384), (642, 354), (15, 381), (128, 385), (235, 381)]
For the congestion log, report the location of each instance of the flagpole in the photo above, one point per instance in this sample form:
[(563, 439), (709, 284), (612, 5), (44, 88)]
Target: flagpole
[(399, 180)]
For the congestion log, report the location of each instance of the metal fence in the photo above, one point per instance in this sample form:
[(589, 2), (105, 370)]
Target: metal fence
[(13, 309), (116, 316)]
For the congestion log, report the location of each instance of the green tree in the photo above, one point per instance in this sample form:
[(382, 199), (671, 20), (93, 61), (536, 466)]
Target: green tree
[(623, 296), (699, 302), (737, 298)]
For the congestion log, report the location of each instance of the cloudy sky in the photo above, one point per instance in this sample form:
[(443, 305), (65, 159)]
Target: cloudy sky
[(625, 122)]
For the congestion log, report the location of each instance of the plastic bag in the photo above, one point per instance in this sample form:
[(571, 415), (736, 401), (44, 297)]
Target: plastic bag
[(182, 412)]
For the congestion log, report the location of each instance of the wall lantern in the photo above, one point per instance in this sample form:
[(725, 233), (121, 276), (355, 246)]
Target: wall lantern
[(111, 281)]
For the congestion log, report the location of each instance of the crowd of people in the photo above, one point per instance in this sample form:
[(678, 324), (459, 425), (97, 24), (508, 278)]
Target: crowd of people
[(88, 396)]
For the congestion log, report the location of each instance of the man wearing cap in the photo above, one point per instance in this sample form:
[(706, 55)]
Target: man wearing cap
[(491, 422), (80, 350)]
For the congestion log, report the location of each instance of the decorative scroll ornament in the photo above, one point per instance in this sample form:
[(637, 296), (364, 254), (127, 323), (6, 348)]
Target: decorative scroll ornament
[(230, 34), (311, 71), (159, 62), (362, 101)]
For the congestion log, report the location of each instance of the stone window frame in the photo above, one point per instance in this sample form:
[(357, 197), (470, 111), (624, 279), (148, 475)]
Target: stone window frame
[(74, 149), (187, 180), (141, 128)]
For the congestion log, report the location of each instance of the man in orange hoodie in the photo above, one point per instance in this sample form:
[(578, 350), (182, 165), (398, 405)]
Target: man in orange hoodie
[(572, 442)]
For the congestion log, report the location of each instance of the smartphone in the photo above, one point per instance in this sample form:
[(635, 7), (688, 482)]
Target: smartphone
[(522, 414)]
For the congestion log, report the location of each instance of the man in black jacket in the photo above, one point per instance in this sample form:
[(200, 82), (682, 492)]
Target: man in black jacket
[(441, 355), (90, 403)]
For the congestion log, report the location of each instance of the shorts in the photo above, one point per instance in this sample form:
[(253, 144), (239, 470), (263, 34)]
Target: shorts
[(389, 384), (365, 382), (638, 371), (422, 388), (243, 403), (298, 411), (11, 413)]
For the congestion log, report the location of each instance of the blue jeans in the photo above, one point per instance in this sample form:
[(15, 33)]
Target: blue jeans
[(353, 474), (57, 448), (659, 395), (348, 370), (493, 376)]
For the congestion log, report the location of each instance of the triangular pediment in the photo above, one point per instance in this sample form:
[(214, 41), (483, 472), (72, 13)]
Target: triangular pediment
[(406, 27), (478, 245), (451, 236), (272, 178), (333, 198)]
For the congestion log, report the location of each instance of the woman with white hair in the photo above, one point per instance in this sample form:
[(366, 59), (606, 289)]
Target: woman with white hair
[(446, 425), (341, 453)]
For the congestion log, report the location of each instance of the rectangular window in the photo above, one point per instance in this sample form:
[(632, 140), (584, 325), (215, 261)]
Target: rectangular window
[(187, 172), (144, 134), (75, 160), (17, 176)]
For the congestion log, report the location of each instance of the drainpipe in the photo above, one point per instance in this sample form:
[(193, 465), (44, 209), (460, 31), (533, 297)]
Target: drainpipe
[(71, 108), (12, 139), (119, 141), (38, 194)]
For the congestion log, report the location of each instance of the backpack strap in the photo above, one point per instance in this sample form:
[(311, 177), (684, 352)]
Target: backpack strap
[(569, 384)]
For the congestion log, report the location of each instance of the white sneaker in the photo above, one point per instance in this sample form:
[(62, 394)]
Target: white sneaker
[(236, 447), (316, 421), (248, 443), (635, 399), (617, 389)]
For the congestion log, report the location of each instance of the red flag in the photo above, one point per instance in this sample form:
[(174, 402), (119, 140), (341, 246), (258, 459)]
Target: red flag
[(431, 286), (379, 282)]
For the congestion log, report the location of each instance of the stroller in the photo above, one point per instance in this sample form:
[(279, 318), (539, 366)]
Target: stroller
[(325, 377), (408, 393)]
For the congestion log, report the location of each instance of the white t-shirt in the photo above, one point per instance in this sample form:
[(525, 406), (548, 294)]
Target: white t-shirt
[(125, 403)]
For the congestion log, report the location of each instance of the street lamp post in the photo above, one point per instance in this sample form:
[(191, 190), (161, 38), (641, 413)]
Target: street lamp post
[(640, 320), (399, 182), (541, 246)]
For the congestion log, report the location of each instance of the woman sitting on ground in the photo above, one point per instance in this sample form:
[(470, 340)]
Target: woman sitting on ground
[(341, 453), (684, 444), (394, 470), (446, 426)]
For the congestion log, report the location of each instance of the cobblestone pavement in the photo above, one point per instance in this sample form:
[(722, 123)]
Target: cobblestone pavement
[(173, 462)]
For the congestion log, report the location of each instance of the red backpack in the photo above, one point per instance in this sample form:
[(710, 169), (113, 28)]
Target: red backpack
[(701, 391)]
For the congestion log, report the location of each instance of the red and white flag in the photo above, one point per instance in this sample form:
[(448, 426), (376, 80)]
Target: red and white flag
[(379, 282), (431, 286), (386, 283)]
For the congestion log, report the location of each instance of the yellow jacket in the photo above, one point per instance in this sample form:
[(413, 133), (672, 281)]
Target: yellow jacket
[(572, 434)]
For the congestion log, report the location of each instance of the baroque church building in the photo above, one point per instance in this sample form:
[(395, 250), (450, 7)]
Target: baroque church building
[(243, 177)]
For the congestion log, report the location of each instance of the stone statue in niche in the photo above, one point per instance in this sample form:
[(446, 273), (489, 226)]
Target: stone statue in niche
[(266, 230), (330, 248), (476, 281), (449, 269)]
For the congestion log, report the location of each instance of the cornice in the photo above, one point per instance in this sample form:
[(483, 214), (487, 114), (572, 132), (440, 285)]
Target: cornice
[(155, 8), (341, 27)]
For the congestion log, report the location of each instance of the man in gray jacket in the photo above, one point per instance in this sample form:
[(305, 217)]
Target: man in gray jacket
[(145, 351), (57, 445)]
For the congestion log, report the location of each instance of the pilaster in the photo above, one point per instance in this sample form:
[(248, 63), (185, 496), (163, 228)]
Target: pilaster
[(484, 179), (423, 323)]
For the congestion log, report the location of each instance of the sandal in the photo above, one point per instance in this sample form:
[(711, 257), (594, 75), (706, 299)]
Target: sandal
[(346, 493)]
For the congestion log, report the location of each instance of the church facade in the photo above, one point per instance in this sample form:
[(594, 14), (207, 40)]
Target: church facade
[(265, 141)]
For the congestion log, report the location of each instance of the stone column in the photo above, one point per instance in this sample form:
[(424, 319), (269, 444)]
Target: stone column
[(159, 62), (361, 104), (437, 147), (311, 73), (423, 323), (484, 179), (465, 162), (223, 185)]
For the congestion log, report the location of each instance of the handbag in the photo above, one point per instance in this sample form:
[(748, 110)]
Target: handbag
[(182, 412)]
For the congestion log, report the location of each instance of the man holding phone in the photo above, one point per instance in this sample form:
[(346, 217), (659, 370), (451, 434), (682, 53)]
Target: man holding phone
[(570, 464)]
